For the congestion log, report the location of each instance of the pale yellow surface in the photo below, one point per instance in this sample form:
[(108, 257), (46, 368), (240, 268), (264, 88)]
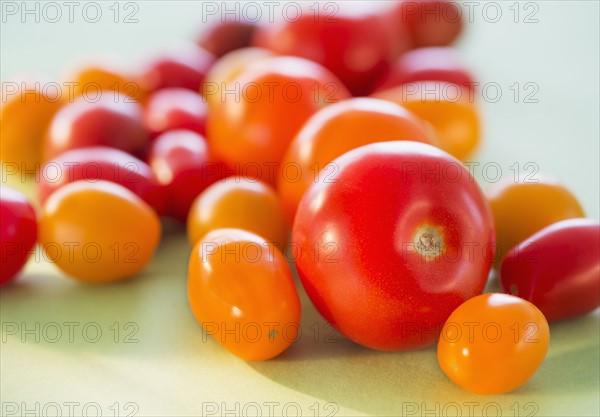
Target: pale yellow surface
[(172, 370)]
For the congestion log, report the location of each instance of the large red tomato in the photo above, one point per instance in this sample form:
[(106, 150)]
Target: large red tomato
[(393, 242)]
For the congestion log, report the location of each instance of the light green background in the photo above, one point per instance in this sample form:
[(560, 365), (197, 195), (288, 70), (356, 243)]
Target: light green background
[(171, 370)]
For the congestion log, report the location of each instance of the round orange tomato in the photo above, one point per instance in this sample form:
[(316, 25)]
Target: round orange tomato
[(241, 290), (524, 208), (242, 203), (98, 232), (493, 343), (250, 127), (449, 108), (335, 130)]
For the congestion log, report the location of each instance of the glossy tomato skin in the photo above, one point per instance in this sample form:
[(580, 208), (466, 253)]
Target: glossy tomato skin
[(224, 37), (101, 163), (250, 130), (431, 22), (336, 129), (393, 243), (184, 67), (557, 269), (239, 282), (493, 343), (98, 232), (18, 232), (242, 203), (175, 108), (181, 162), (114, 120), (539, 202)]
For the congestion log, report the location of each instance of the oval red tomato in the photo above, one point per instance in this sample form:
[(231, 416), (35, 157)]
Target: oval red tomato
[(226, 36), (18, 232), (557, 269), (393, 242), (175, 108)]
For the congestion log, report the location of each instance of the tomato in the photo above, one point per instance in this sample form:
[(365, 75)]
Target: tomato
[(226, 36), (357, 47), (184, 66), (557, 269), (241, 290), (251, 129), (335, 130), (98, 232), (182, 164), (241, 203), (114, 120), (92, 80), (523, 208), (429, 64), (431, 22), (392, 243), (493, 343), (18, 232), (24, 117), (448, 108), (175, 108), (101, 163)]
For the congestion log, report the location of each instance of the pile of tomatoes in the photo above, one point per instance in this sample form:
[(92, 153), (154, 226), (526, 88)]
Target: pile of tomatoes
[(324, 126)]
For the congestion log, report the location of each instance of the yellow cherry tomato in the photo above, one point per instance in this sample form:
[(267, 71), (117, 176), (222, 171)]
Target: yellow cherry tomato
[(241, 290), (242, 203), (98, 232)]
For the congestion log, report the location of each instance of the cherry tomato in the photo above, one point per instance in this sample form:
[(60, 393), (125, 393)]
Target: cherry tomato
[(24, 117), (448, 108), (18, 232), (241, 203), (493, 343), (182, 164), (98, 232), (357, 47), (251, 129), (184, 66), (226, 36), (91, 80), (523, 208), (392, 243), (557, 269), (101, 163), (431, 22), (429, 64), (175, 108), (239, 282), (114, 120), (335, 130)]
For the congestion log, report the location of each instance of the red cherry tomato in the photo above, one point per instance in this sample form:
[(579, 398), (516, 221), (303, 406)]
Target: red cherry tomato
[(431, 22), (389, 246), (429, 64), (18, 232), (185, 67), (224, 37), (114, 120), (181, 162), (101, 163), (557, 269), (175, 108), (357, 47)]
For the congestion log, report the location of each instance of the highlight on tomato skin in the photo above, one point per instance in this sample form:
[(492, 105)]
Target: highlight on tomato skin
[(493, 343), (175, 108), (557, 269), (241, 290)]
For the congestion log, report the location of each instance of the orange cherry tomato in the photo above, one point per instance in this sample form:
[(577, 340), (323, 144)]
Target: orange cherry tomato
[(524, 208), (241, 290), (335, 130), (270, 100), (98, 232), (242, 203), (448, 107), (24, 118), (493, 343)]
